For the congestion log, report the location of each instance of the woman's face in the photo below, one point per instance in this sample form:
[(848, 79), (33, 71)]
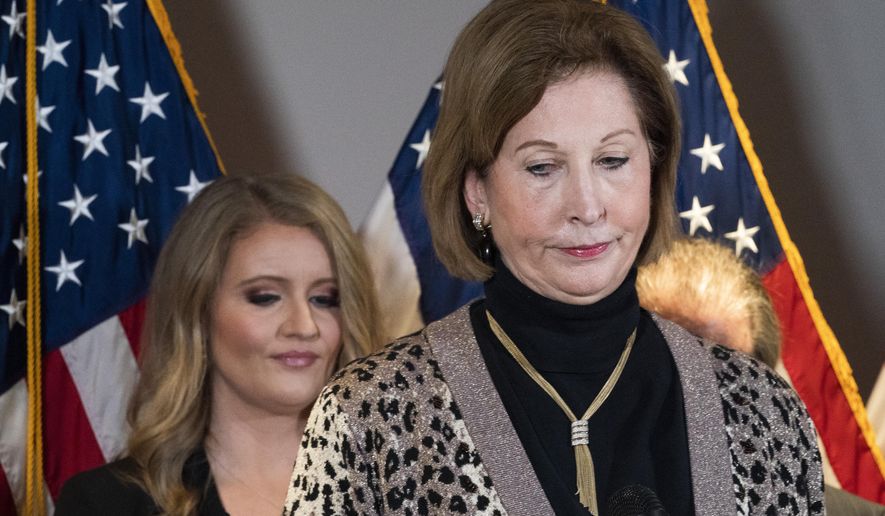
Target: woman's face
[(568, 196), (275, 324)]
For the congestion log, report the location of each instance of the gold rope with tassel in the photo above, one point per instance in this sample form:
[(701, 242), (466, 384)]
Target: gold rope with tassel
[(586, 473), (34, 497)]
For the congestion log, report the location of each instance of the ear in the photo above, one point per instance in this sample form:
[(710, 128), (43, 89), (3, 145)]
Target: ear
[(475, 193)]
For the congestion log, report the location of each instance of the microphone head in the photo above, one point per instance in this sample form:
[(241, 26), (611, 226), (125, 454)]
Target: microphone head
[(635, 500)]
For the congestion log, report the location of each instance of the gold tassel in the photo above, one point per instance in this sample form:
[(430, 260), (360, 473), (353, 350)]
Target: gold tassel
[(579, 431), (586, 478)]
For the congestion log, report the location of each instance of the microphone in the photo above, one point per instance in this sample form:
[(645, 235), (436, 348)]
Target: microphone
[(635, 500)]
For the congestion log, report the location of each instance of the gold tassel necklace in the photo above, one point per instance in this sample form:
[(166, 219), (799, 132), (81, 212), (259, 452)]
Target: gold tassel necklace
[(586, 480)]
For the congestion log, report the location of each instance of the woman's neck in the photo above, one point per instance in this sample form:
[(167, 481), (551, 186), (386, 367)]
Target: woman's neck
[(251, 454), (560, 337)]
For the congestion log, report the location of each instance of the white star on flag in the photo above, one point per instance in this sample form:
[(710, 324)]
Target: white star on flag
[(15, 309), (709, 154), (52, 51), (6, 84), (3, 146), (113, 11), (743, 237), (93, 140), (25, 176), (150, 103), (422, 148), (441, 85), (21, 243), (697, 216), (676, 69), (134, 229), (140, 165), (43, 115), (15, 21), (193, 187), (104, 75), (65, 271), (79, 205), (25, 179)]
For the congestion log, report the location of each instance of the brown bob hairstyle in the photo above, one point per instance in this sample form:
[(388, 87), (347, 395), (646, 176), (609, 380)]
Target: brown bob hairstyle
[(498, 70)]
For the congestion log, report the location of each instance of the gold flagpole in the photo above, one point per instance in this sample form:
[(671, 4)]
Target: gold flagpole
[(34, 497)]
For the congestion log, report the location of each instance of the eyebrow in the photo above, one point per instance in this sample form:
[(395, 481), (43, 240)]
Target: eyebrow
[(543, 143), (323, 281), (280, 279), (266, 277), (616, 133)]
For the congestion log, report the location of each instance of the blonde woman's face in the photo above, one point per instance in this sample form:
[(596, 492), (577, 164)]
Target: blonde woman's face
[(568, 195), (276, 324)]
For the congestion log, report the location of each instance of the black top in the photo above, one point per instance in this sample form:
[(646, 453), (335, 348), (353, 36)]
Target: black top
[(102, 491), (638, 436)]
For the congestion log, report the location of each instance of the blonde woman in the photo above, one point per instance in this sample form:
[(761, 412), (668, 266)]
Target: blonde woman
[(260, 292)]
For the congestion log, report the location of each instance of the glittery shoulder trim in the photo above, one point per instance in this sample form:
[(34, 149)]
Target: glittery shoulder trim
[(711, 480), (454, 346)]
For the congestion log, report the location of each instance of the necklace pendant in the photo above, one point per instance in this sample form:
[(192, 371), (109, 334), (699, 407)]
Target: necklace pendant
[(579, 433)]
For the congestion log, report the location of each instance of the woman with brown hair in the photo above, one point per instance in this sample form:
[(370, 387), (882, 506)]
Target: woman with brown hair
[(551, 178), (260, 292)]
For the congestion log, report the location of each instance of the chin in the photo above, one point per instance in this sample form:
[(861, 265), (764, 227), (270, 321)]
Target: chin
[(575, 295), (593, 280), (295, 402), (584, 284)]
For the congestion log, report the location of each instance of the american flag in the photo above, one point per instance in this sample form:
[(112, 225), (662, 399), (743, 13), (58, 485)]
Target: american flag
[(721, 194), (122, 149)]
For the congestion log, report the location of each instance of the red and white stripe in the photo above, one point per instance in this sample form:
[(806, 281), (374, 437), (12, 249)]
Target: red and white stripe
[(394, 270), (87, 386)]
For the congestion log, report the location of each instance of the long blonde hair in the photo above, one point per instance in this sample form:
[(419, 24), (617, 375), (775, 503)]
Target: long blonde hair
[(170, 409)]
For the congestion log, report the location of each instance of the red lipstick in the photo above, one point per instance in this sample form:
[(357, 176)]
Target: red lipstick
[(586, 251)]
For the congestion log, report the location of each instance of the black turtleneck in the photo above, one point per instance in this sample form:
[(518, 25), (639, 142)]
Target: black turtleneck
[(637, 436)]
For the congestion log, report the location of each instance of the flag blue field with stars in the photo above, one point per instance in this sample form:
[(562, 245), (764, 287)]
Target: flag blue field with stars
[(121, 150), (721, 195)]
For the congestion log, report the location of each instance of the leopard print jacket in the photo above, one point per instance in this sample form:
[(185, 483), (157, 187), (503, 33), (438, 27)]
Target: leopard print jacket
[(418, 428)]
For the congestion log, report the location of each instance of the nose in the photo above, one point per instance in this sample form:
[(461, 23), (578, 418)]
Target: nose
[(583, 199), (300, 323)]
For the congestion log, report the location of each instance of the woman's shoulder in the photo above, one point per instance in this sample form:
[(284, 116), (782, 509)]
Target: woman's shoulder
[(405, 363), (387, 387), (751, 391), (772, 440), (770, 437), (411, 353), (733, 369), (745, 381), (104, 490), (108, 477)]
